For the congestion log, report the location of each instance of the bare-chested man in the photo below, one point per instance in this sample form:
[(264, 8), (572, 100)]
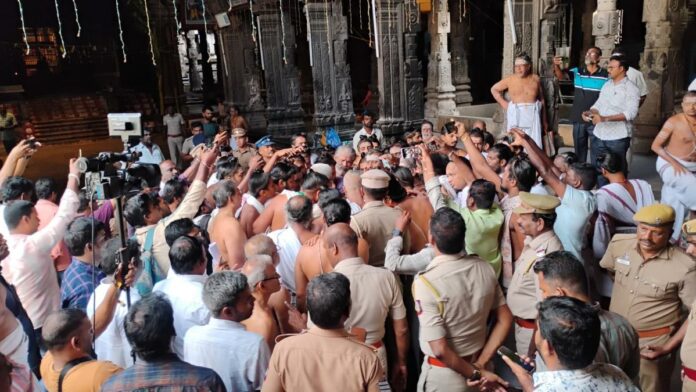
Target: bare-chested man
[(525, 109), (261, 189), (226, 233), (675, 147), (261, 244), (264, 281), (309, 264), (287, 179)]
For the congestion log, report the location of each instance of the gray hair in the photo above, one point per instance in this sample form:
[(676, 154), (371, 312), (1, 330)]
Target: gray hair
[(223, 192), (222, 289), (260, 244), (344, 149), (299, 210), (255, 269)]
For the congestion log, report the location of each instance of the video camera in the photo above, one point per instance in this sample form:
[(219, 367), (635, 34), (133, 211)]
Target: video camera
[(105, 181)]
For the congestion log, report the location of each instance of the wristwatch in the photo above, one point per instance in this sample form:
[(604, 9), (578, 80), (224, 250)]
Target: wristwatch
[(396, 233), (475, 375)]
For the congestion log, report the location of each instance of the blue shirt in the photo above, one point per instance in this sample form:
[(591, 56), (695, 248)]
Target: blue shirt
[(573, 215), (79, 281), (168, 374), (587, 86)]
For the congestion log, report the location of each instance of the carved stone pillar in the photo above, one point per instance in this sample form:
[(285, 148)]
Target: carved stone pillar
[(168, 68), (390, 66), (521, 38), (283, 99), (460, 65), (333, 98), (662, 65), (440, 91), (241, 69), (412, 66), (605, 27)]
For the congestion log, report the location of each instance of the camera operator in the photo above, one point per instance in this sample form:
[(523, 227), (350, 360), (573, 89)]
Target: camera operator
[(143, 211)]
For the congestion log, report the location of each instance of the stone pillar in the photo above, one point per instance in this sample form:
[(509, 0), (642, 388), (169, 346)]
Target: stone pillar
[(522, 16), (390, 66), (440, 91), (412, 66), (241, 69), (283, 98), (333, 98), (460, 65), (168, 70), (662, 65), (605, 27)]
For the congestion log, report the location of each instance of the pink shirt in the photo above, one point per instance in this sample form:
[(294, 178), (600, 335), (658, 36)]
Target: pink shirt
[(46, 210), (29, 267)]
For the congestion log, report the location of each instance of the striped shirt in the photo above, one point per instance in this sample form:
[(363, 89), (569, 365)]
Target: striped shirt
[(587, 86)]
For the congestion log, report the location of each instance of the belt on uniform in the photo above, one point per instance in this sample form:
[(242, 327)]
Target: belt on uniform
[(651, 333), (690, 373), (377, 344), (436, 362), (179, 135), (524, 323)]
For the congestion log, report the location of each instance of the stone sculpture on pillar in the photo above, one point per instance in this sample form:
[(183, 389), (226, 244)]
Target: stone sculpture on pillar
[(440, 91), (460, 64), (412, 67), (605, 27), (333, 98)]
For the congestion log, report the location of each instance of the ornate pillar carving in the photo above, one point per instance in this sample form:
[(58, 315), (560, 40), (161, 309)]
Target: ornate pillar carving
[(460, 64), (605, 27), (168, 70), (241, 69), (661, 64), (390, 69), (333, 98), (283, 97), (440, 91), (521, 38), (412, 66)]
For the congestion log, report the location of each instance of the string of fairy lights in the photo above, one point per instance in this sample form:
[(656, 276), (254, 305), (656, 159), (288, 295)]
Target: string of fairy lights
[(371, 13)]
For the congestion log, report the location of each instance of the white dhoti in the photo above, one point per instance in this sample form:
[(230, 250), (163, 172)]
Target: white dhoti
[(526, 116), (678, 191)]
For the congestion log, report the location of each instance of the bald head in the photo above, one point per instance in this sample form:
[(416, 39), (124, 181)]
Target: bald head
[(260, 244), (352, 180), (478, 124), (341, 237)]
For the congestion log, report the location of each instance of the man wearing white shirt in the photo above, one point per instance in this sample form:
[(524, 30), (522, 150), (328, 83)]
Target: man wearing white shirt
[(239, 357), (613, 114), (149, 152), (175, 138), (290, 240), (368, 130), (111, 344), (29, 267), (184, 288), (14, 188)]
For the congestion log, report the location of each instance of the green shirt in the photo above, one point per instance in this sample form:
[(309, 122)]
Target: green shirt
[(482, 226)]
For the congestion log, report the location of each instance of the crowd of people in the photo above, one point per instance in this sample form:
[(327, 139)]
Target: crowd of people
[(436, 261)]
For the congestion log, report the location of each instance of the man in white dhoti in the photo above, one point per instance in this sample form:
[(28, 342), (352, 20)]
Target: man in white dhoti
[(525, 110), (675, 147)]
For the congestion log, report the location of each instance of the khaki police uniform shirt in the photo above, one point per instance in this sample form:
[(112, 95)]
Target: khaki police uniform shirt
[(688, 347), (467, 291), (374, 293), (244, 155), (649, 294), (375, 223), (523, 293), (323, 360)]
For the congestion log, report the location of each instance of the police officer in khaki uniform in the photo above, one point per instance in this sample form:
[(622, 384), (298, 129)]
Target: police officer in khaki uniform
[(537, 214), (375, 295), (325, 357), (244, 151), (454, 297), (375, 222), (653, 280)]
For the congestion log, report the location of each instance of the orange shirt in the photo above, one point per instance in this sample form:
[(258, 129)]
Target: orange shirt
[(85, 377)]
